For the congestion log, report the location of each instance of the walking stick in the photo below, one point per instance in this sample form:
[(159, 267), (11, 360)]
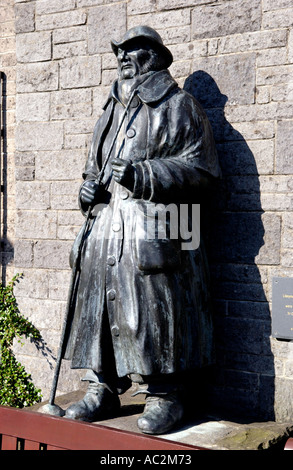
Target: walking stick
[(51, 407)]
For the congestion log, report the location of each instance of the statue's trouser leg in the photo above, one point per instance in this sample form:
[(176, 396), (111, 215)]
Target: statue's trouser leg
[(115, 384), (101, 399)]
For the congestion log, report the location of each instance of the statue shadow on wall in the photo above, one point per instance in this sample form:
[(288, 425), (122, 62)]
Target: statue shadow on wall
[(242, 380), (6, 247)]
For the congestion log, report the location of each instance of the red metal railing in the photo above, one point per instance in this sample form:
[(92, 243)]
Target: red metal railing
[(27, 430)]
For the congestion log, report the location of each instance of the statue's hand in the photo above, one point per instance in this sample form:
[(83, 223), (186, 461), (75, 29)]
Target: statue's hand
[(123, 173), (89, 192)]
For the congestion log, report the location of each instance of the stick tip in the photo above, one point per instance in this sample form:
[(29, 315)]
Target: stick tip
[(53, 410)]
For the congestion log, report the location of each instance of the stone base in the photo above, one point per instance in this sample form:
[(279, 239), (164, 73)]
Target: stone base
[(208, 431)]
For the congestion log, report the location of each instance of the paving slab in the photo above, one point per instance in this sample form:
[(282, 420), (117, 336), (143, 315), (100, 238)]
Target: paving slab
[(210, 432)]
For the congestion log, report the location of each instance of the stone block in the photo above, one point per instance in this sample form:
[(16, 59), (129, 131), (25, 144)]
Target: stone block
[(274, 75), (241, 379), (225, 18), (258, 112), (33, 47), (284, 148), (25, 173), (246, 292), (64, 195), (287, 236), (102, 28), (67, 232), (272, 57), (180, 69), (217, 80), (250, 131), (263, 94), (61, 165), (109, 61), (36, 224), (253, 310), (72, 34), (80, 72), (37, 77), (108, 77), (252, 41), (39, 136), (43, 313), (290, 47), (245, 336), (91, 3), (282, 92), (24, 159), (244, 158), (283, 393), (287, 258), (24, 17), (81, 126), (136, 7), (269, 252), (52, 254), (62, 51), (74, 218), (60, 20), (59, 284), (176, 35), (161, 20), (33, 195), (246, 237), (170, 4), (33, 107), (276, 184), (7, 29), (23, 253), (77, 141), (7, 44), (43, 7), (273, 5), (276, 202), (278, 18), (34, 284), (67, 104)]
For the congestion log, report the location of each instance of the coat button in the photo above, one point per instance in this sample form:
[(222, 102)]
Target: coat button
[(111, 260), (124, 195), (111, 294), (116, 227), (131, 133), (115, 330), (135, 102)]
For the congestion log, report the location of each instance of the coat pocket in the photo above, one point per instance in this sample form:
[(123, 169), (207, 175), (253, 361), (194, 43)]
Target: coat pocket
[(158, 255), (156, 249)]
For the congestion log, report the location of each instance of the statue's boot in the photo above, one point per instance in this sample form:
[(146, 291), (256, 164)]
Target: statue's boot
[(161, 413), (98, 403)]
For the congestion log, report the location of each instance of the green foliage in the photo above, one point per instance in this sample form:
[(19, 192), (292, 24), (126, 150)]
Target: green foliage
[(16, 387)]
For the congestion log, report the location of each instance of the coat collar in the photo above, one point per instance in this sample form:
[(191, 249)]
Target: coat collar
[(153, 89)]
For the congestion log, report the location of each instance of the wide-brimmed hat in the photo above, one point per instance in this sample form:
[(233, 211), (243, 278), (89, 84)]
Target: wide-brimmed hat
[(150, 35)]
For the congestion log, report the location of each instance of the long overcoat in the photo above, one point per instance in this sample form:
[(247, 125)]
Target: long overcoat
[(151, 293)]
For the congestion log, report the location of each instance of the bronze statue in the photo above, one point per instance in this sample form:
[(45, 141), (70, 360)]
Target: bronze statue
[(140, 308)]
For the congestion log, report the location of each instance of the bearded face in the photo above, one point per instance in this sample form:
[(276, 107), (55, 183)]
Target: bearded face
[(136, 59)]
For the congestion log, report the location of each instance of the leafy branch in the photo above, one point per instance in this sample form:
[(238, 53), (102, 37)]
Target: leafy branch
[(16, 387)]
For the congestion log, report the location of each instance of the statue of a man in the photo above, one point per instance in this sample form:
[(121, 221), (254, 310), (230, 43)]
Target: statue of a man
[(141, 311)]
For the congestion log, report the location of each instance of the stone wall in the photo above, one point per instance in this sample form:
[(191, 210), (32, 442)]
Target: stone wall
[(236, 58)]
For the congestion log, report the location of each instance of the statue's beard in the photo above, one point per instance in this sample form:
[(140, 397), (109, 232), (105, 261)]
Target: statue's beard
[(127, 85)]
